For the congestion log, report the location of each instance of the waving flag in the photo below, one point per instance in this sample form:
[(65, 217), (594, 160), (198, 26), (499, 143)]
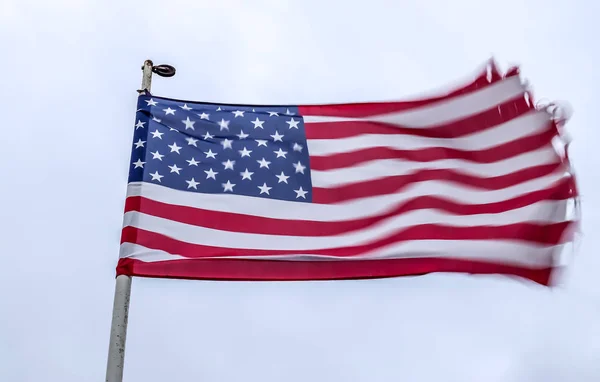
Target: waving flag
[(470, 181)]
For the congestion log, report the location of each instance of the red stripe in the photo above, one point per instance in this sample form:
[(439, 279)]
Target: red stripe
[(233, 222), (547, 234), (358, 110), (268, 270), (490, 155), (393, 184), (476, 123)]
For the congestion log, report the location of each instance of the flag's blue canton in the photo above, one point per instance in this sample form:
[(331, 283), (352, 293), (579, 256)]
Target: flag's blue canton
[(221, 149)]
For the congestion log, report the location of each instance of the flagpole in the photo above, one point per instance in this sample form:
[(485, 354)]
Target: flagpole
[(118, 330), (120, 315)]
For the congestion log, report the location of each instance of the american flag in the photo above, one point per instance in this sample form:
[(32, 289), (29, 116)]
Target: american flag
[(469, 180)]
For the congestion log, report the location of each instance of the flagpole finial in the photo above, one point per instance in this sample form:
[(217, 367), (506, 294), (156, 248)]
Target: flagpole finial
[(147, 63), (149, 68)]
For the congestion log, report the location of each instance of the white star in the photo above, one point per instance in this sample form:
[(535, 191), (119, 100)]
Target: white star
[(139, 163), (193, 162), (219, 108), (245, 152), (258, 123), (264, 189), (288, 112), (156, 119), (228, 164), (157, 134), (210, 154), (254, 111), (246, 174), (139, 143), (174, 148), (189, 124), (207, 136), (264, 163), (185, 107), (228, 186), (273, 113), (169, 111), (192, 183), (176, 169), (261, 142), (300, 193), (172, 129), (156, 176), (280, 153), (297, 147), (223, 125), (293, 123), (299, 168), (277, 137), (282, 177), (237, 113), (157, 155), (139, 124), (191, 141), (151, 102), (242, 135), (226, 143), (203, 116), (211, 174)]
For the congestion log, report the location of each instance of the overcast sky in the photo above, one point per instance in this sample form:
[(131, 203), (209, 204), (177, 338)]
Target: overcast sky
[(68, 74)]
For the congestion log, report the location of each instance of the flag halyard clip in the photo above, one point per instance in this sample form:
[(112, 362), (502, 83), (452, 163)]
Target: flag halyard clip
[(164, 70)]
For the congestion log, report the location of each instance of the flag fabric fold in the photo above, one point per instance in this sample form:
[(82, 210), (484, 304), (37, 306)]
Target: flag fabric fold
[(469, 180)]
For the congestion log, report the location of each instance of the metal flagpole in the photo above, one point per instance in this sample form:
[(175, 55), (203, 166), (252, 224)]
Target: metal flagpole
[(118, 330)]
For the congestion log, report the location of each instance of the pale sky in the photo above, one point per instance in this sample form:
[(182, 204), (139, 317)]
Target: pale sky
[(69, 71)]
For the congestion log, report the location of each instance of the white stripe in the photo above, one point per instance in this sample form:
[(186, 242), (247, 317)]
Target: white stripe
[(526, 125), (353, 209), (139, 252), (382, 168), (444, 111), (506, 252), (541, 212)]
